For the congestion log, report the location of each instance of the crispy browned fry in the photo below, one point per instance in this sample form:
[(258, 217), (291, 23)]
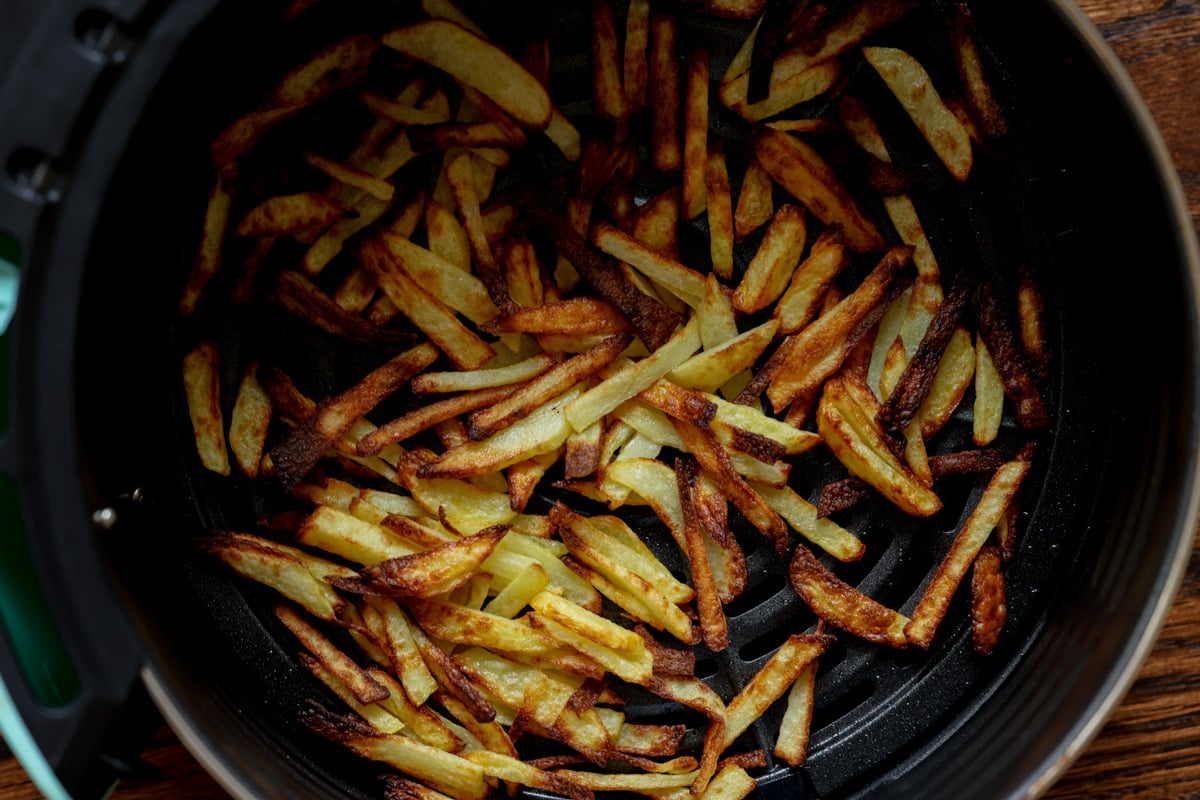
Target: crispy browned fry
[(427, 416), (971, 74), (810, 281), (247, 130), (666, 152), (1032, 323), (549, 384), (820, 348), (578, 316), (708, 602), (680, 403), (720, 210), (249, 422), (608, 92), (667, 660), (771, 269), (772, 680), (291, 213), (714, 458), (971, 537), (800, 88), (656, 223), (755, 205), (451, 135), (461, 176), (989, 611), (762, 379), (445, 772), (364, 688), (582, 457), (799, 169), (695, 134), (477, 63), (636, 66), (212, 241), (305, 444), (651, 320), (910, 391), (910, 83), (843, 606), (681, 280), (693, 693), (1009, 357), (338, 65), (201, 381), (841, 495), (459, 343), (352, 176), (300, 296), (428, 573)]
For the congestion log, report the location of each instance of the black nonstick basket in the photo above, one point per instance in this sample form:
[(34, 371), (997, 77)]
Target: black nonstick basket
[(111, 617)]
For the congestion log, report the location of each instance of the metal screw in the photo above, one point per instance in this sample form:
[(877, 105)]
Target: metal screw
[(104, 518)]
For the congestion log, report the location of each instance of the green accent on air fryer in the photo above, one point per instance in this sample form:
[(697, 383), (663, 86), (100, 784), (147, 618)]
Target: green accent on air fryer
[(25, 614), (10, 253)]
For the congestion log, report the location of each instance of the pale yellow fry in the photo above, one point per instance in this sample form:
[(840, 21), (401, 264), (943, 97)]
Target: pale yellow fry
[(684, 282), (799, 88), (343, 534), (770, 682), (989, 397), (510, 601), (912, 86), (470, 380), (695, 134), (633, 378), (711, 369), (715, 315), (791, 743), (950, 382), (720, 211), (821, 531)]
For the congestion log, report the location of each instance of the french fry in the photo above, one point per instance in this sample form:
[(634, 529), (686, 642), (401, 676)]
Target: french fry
[(684, 282), (343, 534), (477, 63), (246, 131), (989, 611), (201, 382), (755, 205), (445, 772), (352, 176), (988, 408), (769, 272), (576, 316), (290, 213), (271, 565), (540, 432), (791, 743), (459, 343), (375, 714), (950, 383), (1031, 322), (987, 513), (803, 518), (799, 169), (474, 380), (821, 347), (607, 89), (209, 254), (631, 379), (298, 453), (843, 606), (807, 283), (713, 625), (296, 293), (357, 681), (788, 93), (695, 135), (636, 66), (720, 210), (552, 383), (249, 422), (769, 683), (656, 224), (338, 65), (665, 94), (455, 288), (911, 85), (429, 573)]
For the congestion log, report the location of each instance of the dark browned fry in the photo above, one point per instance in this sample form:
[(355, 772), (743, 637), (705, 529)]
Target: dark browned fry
[(713, 624), (911, 389), (751, 759), (291, 213), (363, 687), (983, 102), (989, 610), (695, 134), (303, 298), (667, 660), (729, 9), (450, 676), (302, 448), (762, 379), (965, 462), (651, 320), (579, 316), (763, 448), (608, 92), (715, 459), (1009, 357), (680, 403), (841, 605), (666, 152), (449, 135), (425, 417), (461, 175), (841, 495), (428, 573), (1032, 323)]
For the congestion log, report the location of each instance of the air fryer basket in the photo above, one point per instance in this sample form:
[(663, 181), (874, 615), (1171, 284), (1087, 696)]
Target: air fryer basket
[(1084, 199)]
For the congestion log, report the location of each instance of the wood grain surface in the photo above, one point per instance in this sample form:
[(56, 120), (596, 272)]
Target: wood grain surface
[(1150, 748)]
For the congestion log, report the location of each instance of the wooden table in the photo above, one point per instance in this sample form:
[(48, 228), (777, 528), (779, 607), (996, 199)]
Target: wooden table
[(1150, 748)]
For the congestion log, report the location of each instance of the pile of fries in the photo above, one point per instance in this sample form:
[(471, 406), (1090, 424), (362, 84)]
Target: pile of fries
[(549, 348)]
